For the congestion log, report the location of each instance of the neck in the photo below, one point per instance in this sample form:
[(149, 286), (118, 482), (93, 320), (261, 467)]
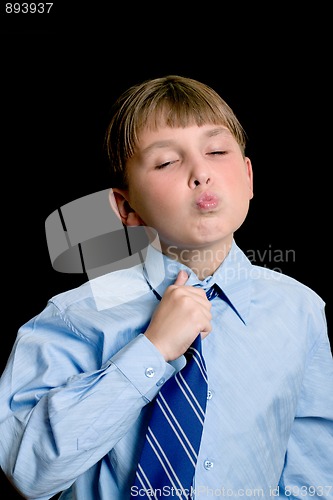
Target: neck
[(202, 261)]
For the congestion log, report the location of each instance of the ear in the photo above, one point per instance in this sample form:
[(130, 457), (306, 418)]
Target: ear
[(249, 172), (119, 204)]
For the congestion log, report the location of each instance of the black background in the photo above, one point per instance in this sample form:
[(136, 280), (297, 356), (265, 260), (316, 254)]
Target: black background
[(60, 75)]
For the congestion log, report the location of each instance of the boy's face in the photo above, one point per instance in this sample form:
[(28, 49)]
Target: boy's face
[(191, 184)]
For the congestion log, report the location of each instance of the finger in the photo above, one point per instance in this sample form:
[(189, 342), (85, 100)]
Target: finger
[(181, 278)]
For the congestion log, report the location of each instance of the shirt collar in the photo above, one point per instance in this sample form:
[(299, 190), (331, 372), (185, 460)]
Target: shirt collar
[(232, 276)]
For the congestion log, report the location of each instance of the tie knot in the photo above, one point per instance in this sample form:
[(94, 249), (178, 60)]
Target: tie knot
[(212, 292)]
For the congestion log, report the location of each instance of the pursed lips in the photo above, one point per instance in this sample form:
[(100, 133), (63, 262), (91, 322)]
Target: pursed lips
[(207, 201)]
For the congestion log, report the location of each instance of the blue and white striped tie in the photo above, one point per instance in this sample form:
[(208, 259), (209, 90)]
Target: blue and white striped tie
[(171, 448)]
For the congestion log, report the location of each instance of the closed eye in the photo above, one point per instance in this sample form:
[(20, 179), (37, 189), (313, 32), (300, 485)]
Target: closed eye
[(217, 153), (163, 165)]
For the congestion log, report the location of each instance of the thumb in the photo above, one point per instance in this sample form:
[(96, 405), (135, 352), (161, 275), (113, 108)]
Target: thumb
[(181, 278)]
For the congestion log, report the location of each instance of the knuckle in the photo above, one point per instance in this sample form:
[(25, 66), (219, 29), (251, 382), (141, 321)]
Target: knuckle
[(185, 301)]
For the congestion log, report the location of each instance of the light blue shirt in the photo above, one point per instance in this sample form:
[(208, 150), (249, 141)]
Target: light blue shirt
[(74, 394)]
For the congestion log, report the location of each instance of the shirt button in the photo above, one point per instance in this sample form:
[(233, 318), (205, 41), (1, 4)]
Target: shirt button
[(150, 372), (160, 382), (208, 464), (209, 394)]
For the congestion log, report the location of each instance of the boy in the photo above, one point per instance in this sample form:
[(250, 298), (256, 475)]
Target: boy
[(75, 395)]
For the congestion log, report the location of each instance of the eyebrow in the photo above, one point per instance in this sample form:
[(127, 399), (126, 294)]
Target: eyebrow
[(156, 145), (165, 143), (217, 131)]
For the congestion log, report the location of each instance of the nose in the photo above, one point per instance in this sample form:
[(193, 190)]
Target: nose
[(199, 176)]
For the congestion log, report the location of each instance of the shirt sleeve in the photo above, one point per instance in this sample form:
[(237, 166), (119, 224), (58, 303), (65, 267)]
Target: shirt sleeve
[(308, 471), (60, 412)]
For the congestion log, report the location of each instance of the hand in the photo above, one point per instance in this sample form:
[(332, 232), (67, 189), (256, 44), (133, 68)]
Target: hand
[(183, 313)]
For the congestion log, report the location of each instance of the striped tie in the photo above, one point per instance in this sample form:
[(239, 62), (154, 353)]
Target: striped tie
[(171, 448)]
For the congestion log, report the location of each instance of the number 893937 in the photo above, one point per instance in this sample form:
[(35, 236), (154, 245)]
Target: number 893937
[(308, 491), (28, 8)]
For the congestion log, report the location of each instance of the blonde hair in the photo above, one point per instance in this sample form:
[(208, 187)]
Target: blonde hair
[(172, 101)]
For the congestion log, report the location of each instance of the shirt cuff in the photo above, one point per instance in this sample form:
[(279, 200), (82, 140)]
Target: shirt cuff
[(144, 366)]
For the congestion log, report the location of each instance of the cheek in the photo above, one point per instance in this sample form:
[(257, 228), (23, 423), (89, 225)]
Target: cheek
[(153, 192), (241, 182), (147, 201)]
